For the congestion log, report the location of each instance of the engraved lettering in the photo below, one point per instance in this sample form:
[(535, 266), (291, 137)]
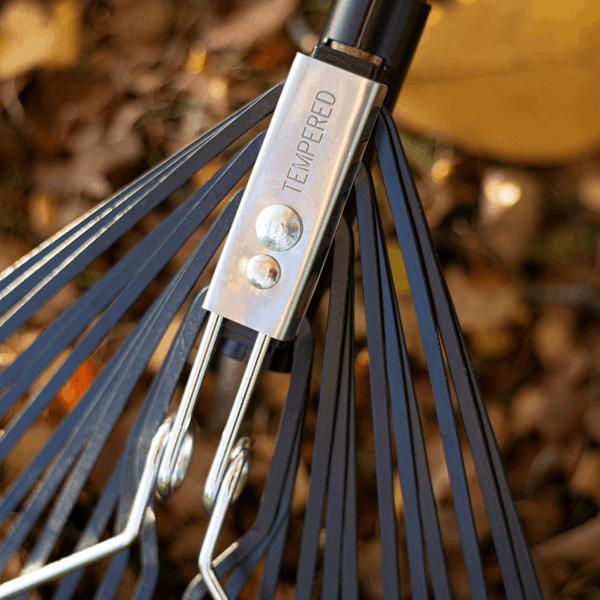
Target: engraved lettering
[(310, 136), (318, 120), (304, 147), (326, 97), (314, 122), (305, 164), (319, 111), (296, 176), (285, 185)]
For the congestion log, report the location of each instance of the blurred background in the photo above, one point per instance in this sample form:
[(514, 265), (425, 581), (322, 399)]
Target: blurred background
[(500, 118)]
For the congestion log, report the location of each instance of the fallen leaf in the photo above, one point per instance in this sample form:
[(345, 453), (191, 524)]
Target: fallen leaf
[(31, 37), (515, 80), (510, 203), (25, 39), (76, 385), (244, 26)]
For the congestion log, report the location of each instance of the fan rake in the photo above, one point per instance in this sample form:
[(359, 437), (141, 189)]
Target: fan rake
[(42, 497)]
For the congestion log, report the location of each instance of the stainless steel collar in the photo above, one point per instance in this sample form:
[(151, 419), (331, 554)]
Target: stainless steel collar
[(294, 198)]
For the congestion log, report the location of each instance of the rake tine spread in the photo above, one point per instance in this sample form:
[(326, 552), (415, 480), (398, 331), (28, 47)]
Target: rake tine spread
[(287, 235)]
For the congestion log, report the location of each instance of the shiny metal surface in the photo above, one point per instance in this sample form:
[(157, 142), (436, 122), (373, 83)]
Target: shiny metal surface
[(307, 162), (232, 427), (263, 271), (168, 474), (278, 227), (233, 483), (35, 575)]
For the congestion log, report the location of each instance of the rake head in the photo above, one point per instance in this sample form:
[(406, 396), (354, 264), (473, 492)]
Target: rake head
[(36, 506)]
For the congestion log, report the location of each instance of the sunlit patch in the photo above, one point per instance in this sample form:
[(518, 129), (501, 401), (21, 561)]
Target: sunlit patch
[(441, 169), (500, 194), (217, 88), (197, 59)]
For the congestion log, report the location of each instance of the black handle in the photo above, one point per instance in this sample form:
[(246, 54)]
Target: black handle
[(389, 29)]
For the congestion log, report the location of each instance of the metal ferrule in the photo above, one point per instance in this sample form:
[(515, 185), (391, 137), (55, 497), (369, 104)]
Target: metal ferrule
[(272, 257)]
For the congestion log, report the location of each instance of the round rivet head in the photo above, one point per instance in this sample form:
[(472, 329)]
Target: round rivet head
[(279, 227), (263, 271)]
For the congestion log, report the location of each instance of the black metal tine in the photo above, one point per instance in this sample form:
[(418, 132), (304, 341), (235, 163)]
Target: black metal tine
[(349, 564), (272, 546), (123, 210), (278, 490), (117, 378), (414, 474), (152, 252), (147, 421), (246, 564), (272, 564), (379, 404), (111, 582), (28, 261), (342, 280), (525, 564), (423, 305), (145, 265), (490, 471), (337, 485), (144, 589)]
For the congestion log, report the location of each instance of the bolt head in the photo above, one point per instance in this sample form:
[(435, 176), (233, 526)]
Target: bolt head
[(278, 227), (263, 271)]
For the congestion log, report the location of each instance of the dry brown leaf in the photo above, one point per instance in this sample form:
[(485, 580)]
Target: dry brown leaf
[(553, 334), (510, 203), (30, 37), (587, 475), (142, 22), (486, 304), (579, 545), (253, 21), (516, 79)]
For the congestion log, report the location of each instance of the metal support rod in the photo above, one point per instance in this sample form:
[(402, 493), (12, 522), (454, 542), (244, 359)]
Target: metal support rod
[(223, 454), (166, 479), (233, 482), (35, 575)]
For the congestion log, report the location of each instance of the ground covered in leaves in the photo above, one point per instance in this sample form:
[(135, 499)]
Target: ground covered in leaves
[(93, 93)]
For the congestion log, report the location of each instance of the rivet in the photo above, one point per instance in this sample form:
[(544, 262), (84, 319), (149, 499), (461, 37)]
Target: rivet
[(278, 227), (263, 271)]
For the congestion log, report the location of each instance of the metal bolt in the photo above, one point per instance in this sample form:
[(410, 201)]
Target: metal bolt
[(263, 271), (279, 227)]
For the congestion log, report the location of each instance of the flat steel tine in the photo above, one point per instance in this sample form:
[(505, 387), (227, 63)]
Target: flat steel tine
[(506, 530), (337, 484), (144, 589), (84, 347), (435, 361), (37, 576), (134, 354), (232, 427), (379, 404), (234, 479), (339, 304), (186, 406), (414, 474), (72, 264), (349, 566), (134, 454), (161, 182), (144, 262)]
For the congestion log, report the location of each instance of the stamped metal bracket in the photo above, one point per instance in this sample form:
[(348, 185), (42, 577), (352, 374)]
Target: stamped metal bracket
[(285, 224)]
